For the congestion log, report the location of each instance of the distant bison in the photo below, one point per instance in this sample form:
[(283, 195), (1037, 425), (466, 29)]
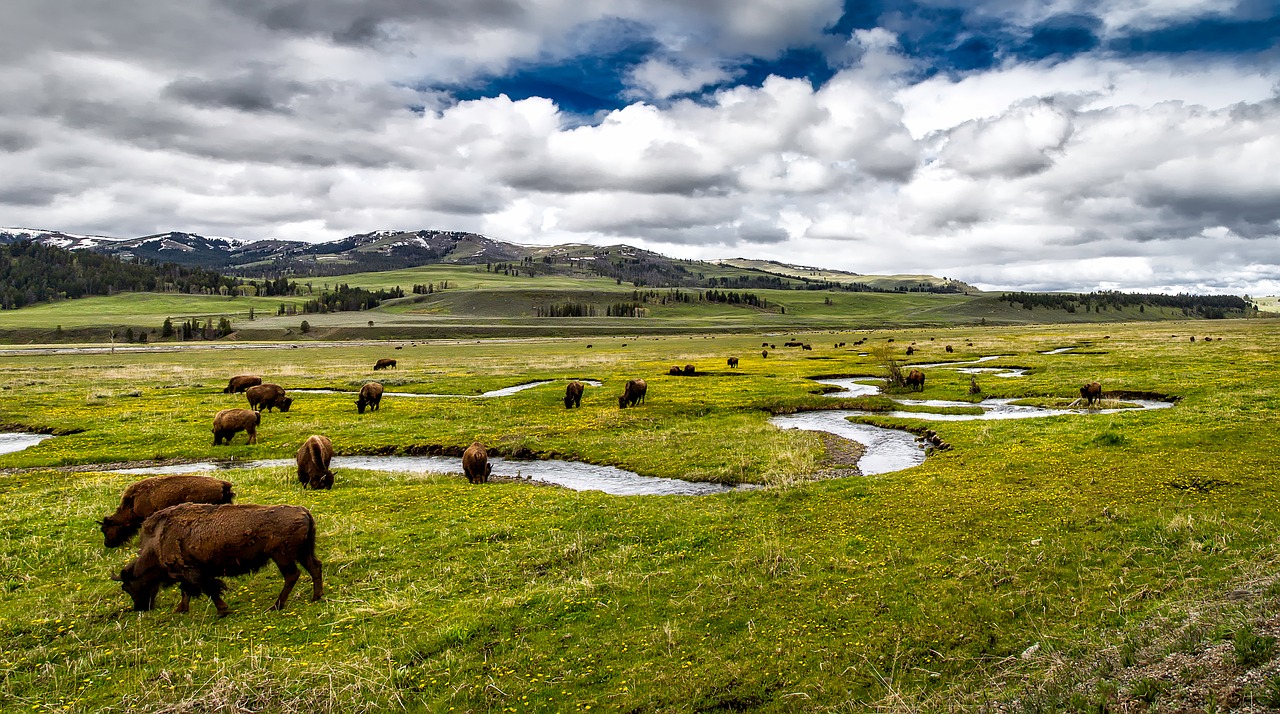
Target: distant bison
[(910, 351), (475, 463), (241, 383), (915, 379), (949, 350), (689, 370), (194, 544), (675, 371), (633, 393), (573, 394), (807, 347), (733, 363), (384, 363), (764, 354), (268, 396), (313, 462), (1091, 393), (228, 422), (764, 344), (157, 493), (370, 396)]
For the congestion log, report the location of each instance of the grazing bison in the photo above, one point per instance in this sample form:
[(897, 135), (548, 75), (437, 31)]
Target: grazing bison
[(475, 463), (910, 350), (733, 363), (1091, 393), (241, 383), (689, 370), (807, 347), (313, 462), (764, 344), (194, 544), (764, 354), (268, 396), (633, 393), (949, 350), (370, 396), (573, 394), (915, 379), (228, 422), (675, 371), (155, 494), (383, 363)]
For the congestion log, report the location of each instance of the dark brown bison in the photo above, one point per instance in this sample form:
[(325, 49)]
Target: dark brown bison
[(764, 354), (228, 422), (384, 363), (910, 350), (733, 363), (764, 344), (268, 396), (157, 493), (475, 463), (241, 383), (689, 370), (949, 350), (675, 371), (1091, 393), (194, 544), (633, 393), (313, 462), (573, 394), (807, 347), (370, 396), (915, 379)]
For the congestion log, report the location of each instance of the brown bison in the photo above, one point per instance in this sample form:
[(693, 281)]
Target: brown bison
[(228, 422), (313, 462), (194, 544), (268, 396), (733, 363), (157, 493), (675, 371), (475, 463), (383, 363), (689, 370), (764, 354), (915, 379), (910, 350), (241, 383), (807, 347), (370, 396), (949, 349), (573, 394), (633, 393), (1091, 393)]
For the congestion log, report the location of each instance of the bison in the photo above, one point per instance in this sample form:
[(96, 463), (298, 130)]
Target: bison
[(153, 494), (807, 347), (370, 396), (1091, 393), (689, 370), (675, 371), (228, 422), (733, 363), (949, 349), (910, 350), (313, 462), (268, 396), (573, 394), (764, 354), (383, 363), (194, 544), (915, 379), (475, 463), (241, 383), (632, 393)]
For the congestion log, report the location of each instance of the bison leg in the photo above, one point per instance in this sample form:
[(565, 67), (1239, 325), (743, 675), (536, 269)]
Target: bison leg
[(289, 570), (187, 591), (312, 564), (253, 436), (213, 588)]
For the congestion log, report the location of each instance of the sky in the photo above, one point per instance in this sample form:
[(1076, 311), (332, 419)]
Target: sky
[(1033, 145)]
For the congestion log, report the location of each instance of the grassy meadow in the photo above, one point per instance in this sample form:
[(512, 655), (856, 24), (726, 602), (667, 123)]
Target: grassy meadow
[(1032, 550)]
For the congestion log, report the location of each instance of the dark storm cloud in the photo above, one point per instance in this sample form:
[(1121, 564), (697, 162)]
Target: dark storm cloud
[(257, 91), (368, 22), (28, 195), (13, 141)]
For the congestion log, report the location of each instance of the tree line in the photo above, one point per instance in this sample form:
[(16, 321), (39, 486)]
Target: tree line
[(1209, 306)]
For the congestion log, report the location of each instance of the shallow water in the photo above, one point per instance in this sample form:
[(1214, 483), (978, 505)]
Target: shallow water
[(504, 392), (570, 474), (886, 449), (10, 443), (1057, 351)]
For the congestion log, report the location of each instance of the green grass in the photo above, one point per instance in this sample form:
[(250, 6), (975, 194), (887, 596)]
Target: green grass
[(917, 589), (138, 309)]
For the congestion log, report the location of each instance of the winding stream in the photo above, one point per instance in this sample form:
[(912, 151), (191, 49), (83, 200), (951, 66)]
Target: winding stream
[(504, 392), (10, 443)]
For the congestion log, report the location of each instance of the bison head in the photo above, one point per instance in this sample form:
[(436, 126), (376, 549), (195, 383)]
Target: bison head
[(115, 533), (360, 404), (285, 404), (622, 402), (143, 589)]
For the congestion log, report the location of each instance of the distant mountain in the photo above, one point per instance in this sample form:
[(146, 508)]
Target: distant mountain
[(392, 250)]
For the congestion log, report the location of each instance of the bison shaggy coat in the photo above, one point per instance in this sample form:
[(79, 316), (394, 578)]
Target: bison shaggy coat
[(733, 363), (370, 396), (383, 363), (313, 462), (157, 493), (1091, 393), (228, 422), (689, 370), (475, 463), (268, 396), (573, 394), (241, 383), (915, 379), (633, 393), (194, 544)]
